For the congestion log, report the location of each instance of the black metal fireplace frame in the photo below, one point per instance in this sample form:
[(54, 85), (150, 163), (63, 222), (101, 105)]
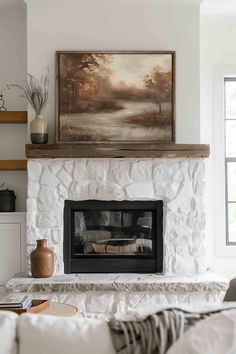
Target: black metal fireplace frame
[(104, 264)]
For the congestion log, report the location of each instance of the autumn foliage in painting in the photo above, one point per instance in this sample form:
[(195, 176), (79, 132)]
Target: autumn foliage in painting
[(81, 80), (102, 97)]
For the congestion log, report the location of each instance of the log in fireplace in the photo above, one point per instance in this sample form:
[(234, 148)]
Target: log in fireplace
[(113, 236)]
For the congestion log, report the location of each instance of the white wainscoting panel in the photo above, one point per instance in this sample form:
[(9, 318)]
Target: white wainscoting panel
[(12, 245)]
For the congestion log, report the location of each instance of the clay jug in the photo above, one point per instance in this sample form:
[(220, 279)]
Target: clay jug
[(42, 260)]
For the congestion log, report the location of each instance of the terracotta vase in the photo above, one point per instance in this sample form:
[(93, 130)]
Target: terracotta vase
[(42, 260)]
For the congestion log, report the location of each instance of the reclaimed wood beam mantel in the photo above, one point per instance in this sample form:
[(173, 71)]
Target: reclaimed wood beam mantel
[(117, 150)]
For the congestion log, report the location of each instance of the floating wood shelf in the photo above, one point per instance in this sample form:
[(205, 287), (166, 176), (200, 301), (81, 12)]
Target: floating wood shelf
[(13, 165), (13, 117), (117, 150)]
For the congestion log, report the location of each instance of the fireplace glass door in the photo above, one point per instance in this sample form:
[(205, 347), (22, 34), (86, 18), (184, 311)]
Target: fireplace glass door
[(102, 236)]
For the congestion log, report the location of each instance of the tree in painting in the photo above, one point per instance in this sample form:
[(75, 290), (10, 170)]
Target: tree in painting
[(115, 97), (159, 84)]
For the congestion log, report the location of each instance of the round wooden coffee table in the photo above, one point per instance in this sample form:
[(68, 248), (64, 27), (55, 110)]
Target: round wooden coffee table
[(59, 309)]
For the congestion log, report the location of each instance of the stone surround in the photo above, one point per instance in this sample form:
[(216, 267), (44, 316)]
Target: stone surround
[(105, 295), (178, 182), (119, 282)]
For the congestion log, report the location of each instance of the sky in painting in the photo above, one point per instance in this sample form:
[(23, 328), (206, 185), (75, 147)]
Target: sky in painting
[(131, 69)]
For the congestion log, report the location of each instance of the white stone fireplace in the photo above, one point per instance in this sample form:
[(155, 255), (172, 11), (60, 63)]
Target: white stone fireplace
[(178, 182)]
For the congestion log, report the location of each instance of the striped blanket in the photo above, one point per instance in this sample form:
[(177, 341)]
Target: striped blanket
[(155, 333)]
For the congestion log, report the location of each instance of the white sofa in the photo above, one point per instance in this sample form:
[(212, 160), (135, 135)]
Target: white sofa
[(44, 334)]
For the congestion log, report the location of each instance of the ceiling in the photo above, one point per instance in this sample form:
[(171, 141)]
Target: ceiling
[(219, 7), (12, 2), (211, 7)]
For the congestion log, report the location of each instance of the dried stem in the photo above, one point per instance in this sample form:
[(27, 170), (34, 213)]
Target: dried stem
[(36, 92)]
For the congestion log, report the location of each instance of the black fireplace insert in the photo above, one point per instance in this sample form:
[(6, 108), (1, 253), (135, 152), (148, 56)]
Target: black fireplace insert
[(113, 236)]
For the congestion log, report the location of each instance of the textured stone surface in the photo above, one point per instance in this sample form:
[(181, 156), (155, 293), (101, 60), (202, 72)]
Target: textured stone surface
[(48, 178), (104, 295), (34, 170), (120, 282), (105, 305), (141, 190), (178, 182)]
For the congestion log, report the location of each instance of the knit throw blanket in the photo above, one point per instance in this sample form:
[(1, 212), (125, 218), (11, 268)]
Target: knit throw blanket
[(154, 334)]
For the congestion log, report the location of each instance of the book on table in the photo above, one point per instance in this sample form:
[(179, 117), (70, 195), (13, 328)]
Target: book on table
[(16, 301)]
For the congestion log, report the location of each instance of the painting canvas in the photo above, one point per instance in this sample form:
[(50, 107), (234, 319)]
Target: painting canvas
[(121, 97)]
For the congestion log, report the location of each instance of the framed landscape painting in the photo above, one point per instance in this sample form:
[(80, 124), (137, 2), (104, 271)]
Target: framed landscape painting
[(115, 97)]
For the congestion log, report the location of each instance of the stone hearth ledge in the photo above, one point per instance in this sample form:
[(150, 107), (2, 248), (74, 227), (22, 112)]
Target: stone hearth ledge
[(206, 282)]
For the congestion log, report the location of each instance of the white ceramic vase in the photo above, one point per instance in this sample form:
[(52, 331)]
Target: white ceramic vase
[(39, 130)]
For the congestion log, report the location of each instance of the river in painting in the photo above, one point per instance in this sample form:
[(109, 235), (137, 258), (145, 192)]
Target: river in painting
[(116, 125)]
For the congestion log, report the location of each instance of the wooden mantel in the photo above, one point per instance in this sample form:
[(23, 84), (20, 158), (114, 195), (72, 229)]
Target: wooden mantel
[(117, 150)]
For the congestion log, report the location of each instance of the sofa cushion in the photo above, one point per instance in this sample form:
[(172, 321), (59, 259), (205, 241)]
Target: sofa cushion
[(216, 334), (8, 322), (44, 334)]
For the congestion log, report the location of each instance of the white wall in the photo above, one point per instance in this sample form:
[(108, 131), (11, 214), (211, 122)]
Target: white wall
[(13, 68), (218, 49), (13, 64), (120, 25)]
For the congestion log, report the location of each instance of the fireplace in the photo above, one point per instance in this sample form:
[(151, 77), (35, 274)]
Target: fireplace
[(179, 183), (113, 236)]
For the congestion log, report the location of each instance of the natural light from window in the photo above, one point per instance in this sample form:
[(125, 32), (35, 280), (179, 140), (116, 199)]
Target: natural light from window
[(230, 158)]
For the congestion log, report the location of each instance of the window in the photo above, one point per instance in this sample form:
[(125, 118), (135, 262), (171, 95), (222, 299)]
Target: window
[(221, 201), (230, 158)]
